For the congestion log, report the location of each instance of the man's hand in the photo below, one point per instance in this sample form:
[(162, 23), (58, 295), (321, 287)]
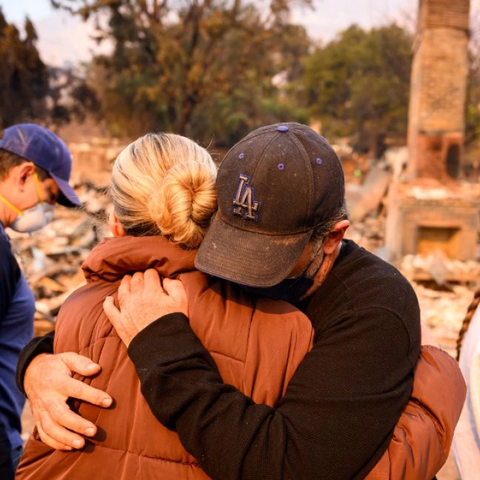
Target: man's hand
[(48, 384), (143, 300)]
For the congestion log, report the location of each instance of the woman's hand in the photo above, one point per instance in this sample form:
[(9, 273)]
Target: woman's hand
[(48, 384), (143, 300)]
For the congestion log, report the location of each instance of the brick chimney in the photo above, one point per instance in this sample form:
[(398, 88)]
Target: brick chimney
[(436, 129)]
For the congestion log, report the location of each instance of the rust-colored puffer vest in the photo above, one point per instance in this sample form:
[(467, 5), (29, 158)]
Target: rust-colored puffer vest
[(257, 346)]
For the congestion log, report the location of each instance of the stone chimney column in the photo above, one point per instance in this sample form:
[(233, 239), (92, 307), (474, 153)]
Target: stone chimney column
[(436, 130)]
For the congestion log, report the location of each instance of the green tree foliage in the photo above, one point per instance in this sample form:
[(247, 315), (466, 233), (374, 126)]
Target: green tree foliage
[(24, 77), (358, 85), (198, 67)]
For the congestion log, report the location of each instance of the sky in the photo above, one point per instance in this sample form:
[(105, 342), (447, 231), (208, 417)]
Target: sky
[(63, 38)]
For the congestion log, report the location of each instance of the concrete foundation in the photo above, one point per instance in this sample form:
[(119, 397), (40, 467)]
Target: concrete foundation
[(422, 219)]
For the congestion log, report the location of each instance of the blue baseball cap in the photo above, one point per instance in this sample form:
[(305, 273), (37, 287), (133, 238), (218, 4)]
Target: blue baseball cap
[(43, 148)]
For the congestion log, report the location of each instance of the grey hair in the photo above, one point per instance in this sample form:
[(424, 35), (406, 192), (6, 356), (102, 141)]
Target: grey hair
[(324, 228)]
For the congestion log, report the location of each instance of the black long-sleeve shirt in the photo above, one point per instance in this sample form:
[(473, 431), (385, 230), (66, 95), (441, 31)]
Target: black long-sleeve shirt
[(341, 406)]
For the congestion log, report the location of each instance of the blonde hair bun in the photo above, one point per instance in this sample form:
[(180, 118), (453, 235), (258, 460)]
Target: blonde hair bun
[(184, 203), (164, 184)]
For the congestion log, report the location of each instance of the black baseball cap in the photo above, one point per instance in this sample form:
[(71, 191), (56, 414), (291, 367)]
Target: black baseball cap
[(42, 147), (273, 187)]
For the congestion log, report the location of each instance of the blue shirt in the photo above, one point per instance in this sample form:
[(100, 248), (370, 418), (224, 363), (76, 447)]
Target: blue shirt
[(17, 308)]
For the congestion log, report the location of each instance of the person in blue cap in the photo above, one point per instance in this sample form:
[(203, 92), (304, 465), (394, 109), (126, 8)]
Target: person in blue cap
[(35, 167)]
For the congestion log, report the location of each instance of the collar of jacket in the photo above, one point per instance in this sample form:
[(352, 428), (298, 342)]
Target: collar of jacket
[(116, 257)]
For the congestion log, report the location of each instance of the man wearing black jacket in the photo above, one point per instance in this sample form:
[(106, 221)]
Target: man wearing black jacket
[(279, 231)]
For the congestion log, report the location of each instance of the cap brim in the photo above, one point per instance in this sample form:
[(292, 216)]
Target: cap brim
[(249, 258), (68, 197)]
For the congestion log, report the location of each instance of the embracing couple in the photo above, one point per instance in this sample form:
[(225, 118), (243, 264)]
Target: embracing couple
[(250, 339)]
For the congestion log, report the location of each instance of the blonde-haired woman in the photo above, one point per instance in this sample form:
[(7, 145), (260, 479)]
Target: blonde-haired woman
[(163, 192)]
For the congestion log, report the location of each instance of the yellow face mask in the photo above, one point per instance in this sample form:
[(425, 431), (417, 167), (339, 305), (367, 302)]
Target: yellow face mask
[(31, 219), (17, 210)]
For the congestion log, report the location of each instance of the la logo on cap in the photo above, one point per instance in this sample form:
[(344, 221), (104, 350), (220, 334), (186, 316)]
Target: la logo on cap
[(244, 203)]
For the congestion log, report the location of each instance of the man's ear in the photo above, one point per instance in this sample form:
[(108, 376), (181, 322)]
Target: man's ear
[(335, 237), (21, 173), (115, 226)]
